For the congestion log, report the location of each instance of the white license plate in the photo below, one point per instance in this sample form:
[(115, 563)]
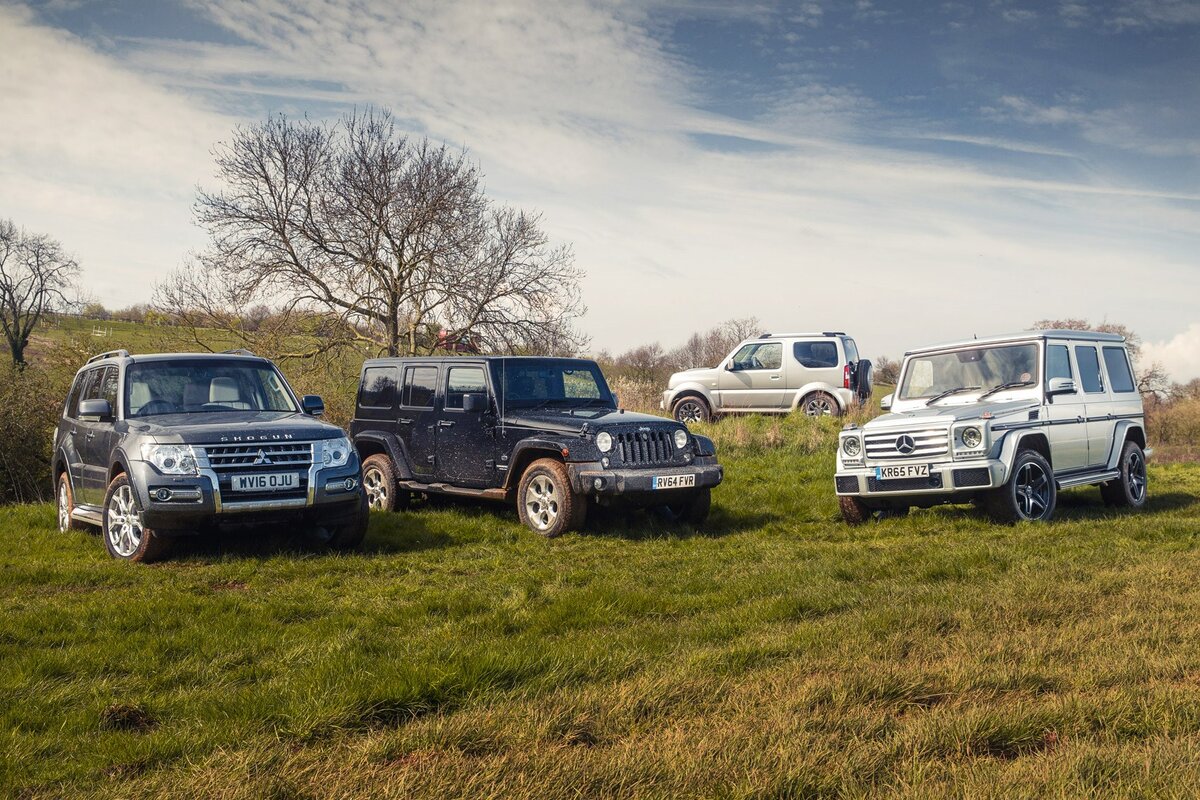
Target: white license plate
[(266, 482), (673, 481), (902, 471)]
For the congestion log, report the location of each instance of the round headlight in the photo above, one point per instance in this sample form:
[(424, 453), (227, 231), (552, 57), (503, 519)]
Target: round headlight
[(681, 438), (972, 438), (604, 441), (851, 446)]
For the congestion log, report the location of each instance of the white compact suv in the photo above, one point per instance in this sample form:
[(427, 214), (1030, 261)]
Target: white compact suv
[(818, 373), (1006, 422)]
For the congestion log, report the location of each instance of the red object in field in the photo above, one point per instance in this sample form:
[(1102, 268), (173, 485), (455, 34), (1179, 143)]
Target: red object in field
[(846, 376)]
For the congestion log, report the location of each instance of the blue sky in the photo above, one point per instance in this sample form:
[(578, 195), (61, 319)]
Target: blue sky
[(909, 172)]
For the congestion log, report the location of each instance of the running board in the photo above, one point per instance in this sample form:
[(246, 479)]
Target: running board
[(1088, 478), (445, 488), (88, 514)]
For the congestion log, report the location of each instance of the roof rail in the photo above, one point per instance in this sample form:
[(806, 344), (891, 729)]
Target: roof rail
[(237, 351), (109, 354), (800, 335)]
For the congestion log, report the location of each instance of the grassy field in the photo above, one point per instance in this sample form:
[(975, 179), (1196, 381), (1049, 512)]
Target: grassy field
[(776, 653)]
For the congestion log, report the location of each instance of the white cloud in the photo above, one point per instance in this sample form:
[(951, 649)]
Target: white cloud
[(1179, 355)]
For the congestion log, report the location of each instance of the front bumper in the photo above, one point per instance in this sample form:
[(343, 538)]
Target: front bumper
[(944, 478), (171, 502), (592, 478)]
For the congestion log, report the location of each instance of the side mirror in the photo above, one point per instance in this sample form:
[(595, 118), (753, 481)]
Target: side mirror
[(475, 402), (886, 402), (95, 410), (1060, 386), (731, 366), (313, 405)]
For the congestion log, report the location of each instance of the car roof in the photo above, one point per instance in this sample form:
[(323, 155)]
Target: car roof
[(466, 359), (123, 355), (1024, 336), (812, 335)]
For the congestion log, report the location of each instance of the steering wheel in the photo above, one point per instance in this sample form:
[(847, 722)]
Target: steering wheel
[(158, 407), (754, 362)]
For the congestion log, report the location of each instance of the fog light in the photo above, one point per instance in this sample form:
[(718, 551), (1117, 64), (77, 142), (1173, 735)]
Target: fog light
[(351, 484), (598, 484), (163, 495), (604, 462)]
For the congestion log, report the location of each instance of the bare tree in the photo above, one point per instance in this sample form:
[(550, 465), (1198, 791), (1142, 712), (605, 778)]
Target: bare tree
[(705, 349), (35, 277), (1151, 378), (396, 237)]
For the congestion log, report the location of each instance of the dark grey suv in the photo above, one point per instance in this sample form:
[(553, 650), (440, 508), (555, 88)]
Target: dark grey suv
[(153, 446)]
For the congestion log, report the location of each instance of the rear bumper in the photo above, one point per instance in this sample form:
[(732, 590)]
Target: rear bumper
[(176, 503), (592, 478), (945, 478)]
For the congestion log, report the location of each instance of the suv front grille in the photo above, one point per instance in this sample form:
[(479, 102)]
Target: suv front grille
[(926, 442), (290, 455), (645, 447)]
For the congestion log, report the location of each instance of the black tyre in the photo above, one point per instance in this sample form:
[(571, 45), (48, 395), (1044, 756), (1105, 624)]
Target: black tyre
[(863, 379), (856, 512), (545, 501), (1129, 490), (820, 404), (691, 409), (379, 484), (346, 536), (66, 504), (1030, 494), (125, 537), (691, 508)]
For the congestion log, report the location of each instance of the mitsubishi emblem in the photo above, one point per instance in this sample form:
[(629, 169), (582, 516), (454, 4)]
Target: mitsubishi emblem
[(905, 444), (262, 459)]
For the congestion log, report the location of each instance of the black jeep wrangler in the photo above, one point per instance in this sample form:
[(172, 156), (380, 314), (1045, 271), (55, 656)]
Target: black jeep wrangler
[(153, 446), (545, 432)]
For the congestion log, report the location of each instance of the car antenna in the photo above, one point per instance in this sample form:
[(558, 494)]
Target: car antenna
[(503, 390)]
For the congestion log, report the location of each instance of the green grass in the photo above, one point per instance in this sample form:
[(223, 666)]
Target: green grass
[(776, 653)]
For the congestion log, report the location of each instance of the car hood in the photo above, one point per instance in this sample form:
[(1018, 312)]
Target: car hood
[(562, 421), (230, 427), (692, 375), (948, 415)]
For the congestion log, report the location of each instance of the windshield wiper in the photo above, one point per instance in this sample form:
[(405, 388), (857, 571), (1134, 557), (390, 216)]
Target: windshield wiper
[(1003, 386), (949, 392)]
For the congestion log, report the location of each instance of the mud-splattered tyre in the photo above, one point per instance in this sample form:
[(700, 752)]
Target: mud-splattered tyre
[(379, 483), (545, 501), (1030, 494), (125, 536), (65, 504), (1130, 489)]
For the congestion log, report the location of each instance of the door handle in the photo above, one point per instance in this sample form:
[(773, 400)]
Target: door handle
[(776, 377), (404, 421), (445, 423)]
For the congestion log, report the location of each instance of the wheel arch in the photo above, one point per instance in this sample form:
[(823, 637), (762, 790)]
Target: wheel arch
[(1126, 431), (813, 387), (377, 443), (525, 453), (1023, 440)]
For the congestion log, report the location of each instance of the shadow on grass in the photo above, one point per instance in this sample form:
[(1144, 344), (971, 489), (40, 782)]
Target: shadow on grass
[(1081, 505), (630, 522)]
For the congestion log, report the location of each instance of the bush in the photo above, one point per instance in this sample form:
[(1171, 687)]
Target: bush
[(30, 400)]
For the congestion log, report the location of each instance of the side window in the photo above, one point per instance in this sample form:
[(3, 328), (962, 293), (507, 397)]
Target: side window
[(1120, 376), (461, 381), (1058, 362), (420, 384), (76, 395), (91, 387), (108, 387), (816, 355), (759, 355), (378, 387), (1089, 369)]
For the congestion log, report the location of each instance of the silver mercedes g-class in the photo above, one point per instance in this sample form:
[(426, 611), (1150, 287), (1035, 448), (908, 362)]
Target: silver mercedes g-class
[(1006, 422)]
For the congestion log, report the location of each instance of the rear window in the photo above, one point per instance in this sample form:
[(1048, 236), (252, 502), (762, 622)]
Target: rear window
[(1120, 376), (816, 355), (851, 349), (378, 387)]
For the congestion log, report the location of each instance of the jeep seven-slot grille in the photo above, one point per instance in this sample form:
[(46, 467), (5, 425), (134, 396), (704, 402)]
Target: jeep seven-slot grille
[(646, 447), (263, 456), (924, 443)]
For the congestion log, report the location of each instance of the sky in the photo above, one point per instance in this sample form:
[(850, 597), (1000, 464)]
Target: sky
[(909, 172)]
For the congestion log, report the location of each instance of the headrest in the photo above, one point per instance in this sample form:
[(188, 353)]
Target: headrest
[(223, 390), (139, 394)]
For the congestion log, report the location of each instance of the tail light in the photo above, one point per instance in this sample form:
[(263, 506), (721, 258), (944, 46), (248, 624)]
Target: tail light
[(846, 377)]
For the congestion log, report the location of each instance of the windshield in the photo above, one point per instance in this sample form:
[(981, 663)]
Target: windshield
[(175, 387), (526, 384), (927, 376)]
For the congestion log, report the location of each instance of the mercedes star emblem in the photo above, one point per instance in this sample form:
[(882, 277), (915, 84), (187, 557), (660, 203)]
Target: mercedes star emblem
[(905, 444)]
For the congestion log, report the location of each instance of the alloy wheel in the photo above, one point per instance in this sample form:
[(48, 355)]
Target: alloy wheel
[(1135, 469), (689, 411), (377, 489), (818, 407), (1033, 491), (541, 503), (124, 522), (64, 506)]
